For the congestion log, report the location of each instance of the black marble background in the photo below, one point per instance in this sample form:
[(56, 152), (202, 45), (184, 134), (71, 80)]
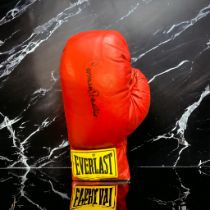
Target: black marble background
[(169, 41)]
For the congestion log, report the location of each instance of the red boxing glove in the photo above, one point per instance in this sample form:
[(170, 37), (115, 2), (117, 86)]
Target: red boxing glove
[(105, 100)]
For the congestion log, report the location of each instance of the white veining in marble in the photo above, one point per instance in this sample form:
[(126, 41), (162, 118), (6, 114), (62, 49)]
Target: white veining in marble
[(18, 10), (24, 193), (207, 47), (53, 76), (135, 59), (8, 124), (27, 182), (181, 201), (204, 171), (129, 12), (21, 185), (8, 38), (40, 34), (169, 70), (178, 131), (23, 159), (36, 95), (176, 30), (61, 194), (202, 163), (19, 143), (5, 159), (5, 179), (43, 161)]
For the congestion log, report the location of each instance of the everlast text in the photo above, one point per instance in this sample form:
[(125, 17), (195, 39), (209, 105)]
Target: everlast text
[(94, 164)]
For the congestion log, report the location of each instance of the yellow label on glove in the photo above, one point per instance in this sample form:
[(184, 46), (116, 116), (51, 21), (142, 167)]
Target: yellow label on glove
[(94, 164), (94, 197)]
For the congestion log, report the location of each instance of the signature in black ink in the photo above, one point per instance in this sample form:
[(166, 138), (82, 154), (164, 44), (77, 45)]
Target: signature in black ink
[(92, 92)]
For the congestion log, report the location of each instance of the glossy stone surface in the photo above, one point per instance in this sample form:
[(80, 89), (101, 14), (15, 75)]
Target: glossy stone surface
[(169, 41), (164, 189)]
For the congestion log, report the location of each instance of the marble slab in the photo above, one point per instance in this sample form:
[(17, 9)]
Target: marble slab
[(151, 188)]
